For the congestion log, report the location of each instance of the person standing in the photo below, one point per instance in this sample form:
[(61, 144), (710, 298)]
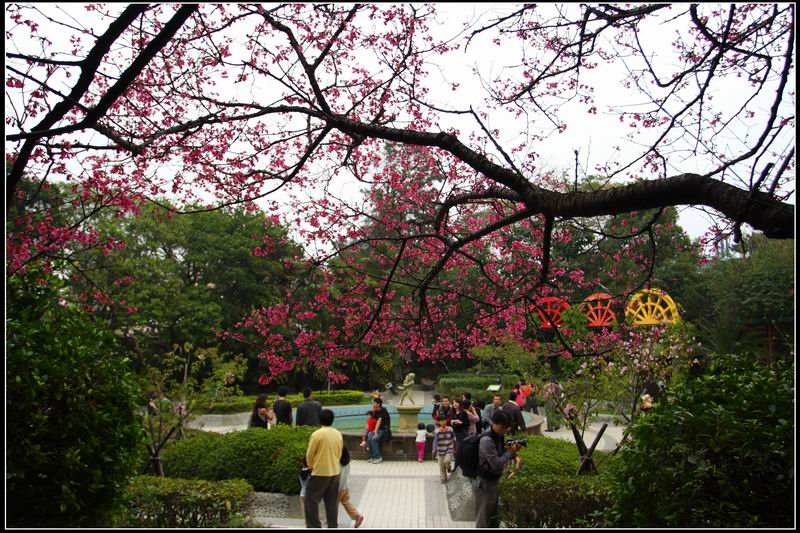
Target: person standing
[(445, 411), (282, 407), (381, 428), (309, 409), (521, 396), (516, 421), (492, 408), (531, 404), (262, 415), (480, 405), (466, 401), (344, 489), (492, 458), (473, 417), (525, 388), (323, 457), (421, 439), (437, 403), (460, 425), (444, 448)]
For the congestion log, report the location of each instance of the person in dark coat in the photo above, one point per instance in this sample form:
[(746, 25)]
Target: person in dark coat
[(309, 409), (282, 407), (517, 422), (493, 455)]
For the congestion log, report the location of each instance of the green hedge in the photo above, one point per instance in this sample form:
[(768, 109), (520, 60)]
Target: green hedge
[(454, 385), (267, 459), (242, 404), (546, 492), (156, 502), (715, 452)]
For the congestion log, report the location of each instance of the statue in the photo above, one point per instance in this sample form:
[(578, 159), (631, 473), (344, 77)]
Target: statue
[(408, 383), (408, 414)]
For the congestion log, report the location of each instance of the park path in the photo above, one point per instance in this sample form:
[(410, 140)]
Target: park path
[(391, 495)]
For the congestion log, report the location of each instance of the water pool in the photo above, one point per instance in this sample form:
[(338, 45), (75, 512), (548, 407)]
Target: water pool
[(348, 418), (353, 418)]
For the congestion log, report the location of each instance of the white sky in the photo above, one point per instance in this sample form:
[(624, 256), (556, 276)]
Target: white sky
[(594, 139)]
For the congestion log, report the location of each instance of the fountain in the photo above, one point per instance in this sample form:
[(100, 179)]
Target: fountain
[(408, 414)]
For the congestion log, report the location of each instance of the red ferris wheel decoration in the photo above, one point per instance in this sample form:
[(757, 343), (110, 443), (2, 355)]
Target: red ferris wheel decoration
[(549, 310), (597, 308)]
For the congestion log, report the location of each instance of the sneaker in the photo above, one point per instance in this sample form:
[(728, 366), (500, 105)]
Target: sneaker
[(370, 460), (363, 445), (378, 460)]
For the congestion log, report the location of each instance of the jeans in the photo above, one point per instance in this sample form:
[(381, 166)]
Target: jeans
[(374, 441)]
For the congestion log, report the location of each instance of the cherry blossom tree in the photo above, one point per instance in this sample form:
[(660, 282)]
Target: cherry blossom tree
[(278, 107)]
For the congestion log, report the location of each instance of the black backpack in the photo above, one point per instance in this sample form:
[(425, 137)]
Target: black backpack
[(468, 453)]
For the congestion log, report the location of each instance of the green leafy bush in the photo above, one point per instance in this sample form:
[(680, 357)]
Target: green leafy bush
[(193, 457), (546, 492), (157, 502), (267, 459), (455, 385), (242, 404), (717, 452), (71, 427)]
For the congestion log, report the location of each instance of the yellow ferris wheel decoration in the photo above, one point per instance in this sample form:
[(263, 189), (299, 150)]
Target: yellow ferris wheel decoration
[(651, 307)]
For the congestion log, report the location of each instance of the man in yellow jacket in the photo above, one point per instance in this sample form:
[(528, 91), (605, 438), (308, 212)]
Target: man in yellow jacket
[(323, 456)]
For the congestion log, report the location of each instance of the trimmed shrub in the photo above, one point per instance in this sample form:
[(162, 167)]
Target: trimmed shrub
[(267, 459), (193, 457), (546, 492), (73, 435), (718, 451), (455, 385), (157, 502), (242, 404)]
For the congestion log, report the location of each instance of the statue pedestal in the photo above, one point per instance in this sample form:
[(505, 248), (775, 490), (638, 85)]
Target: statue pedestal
[(409, 417)]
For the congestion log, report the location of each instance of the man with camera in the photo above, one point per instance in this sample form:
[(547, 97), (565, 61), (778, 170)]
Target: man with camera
[(493, 454)]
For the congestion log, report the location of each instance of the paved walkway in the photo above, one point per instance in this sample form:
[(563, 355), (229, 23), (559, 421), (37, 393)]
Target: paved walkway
[(611, 436), (391, 494)]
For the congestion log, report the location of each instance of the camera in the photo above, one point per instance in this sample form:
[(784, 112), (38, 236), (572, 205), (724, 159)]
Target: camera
[(522, 442)]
